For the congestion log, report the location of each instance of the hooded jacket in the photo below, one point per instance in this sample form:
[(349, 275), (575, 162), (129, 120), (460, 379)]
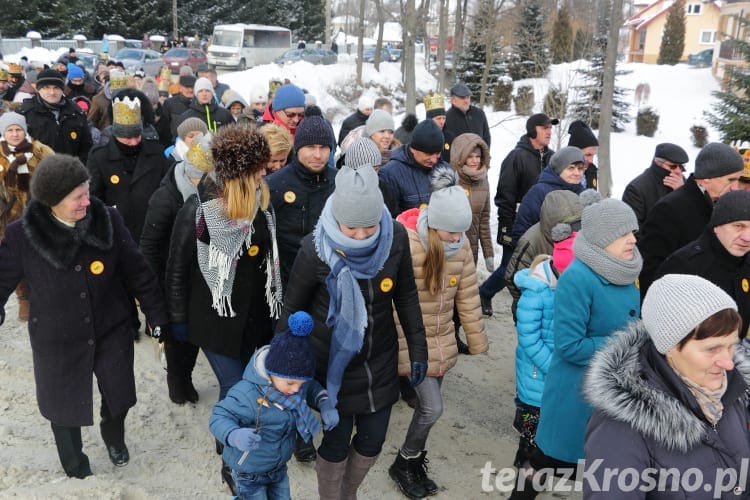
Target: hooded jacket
[(213, 115), (459, 287), (478, 189), (276, 425), (645, 417)]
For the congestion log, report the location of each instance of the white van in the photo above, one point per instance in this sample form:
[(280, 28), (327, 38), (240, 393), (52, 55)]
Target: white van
[(243, 46)]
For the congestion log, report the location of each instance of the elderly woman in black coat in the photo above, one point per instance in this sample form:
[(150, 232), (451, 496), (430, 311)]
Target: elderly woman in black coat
[(81, 265), (670, 400)]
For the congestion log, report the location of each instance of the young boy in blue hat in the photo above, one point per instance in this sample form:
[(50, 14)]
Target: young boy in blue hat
[(259, 416)]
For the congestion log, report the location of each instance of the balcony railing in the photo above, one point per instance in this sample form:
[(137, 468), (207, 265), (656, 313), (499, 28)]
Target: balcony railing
[(729, 50)]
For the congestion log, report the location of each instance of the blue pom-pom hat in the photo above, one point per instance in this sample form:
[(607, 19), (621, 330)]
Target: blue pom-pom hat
[(291, 355)]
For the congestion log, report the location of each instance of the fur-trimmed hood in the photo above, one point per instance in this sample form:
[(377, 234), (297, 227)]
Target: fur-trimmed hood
[(58, 244), (622, 385)]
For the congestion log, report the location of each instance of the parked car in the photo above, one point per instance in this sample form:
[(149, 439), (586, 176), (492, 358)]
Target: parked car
[(89, 60), (180, 56), (368, 55), (313, 56), (134, 59), (702, 58)]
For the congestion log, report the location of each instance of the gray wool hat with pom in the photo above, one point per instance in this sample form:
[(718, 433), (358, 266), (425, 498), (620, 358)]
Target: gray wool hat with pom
[(449, 208), (676, 304), (55, 177), (357, 200)]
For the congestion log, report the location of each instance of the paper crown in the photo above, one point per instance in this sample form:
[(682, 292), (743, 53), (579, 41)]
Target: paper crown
[(117, 80), (126, 111), (273, 85), (434, 101), (199, 153), (165, 78), (14, 69), (3, 75)]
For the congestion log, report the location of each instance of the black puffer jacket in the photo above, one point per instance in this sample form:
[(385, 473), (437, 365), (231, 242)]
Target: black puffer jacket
[(298, 197), (213, 115), (519, 171), (67, 133), (370, 381)]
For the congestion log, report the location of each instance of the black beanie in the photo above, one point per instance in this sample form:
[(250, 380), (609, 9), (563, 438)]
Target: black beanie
[(50, 77), (291, 354), (314, 129), (55, 177), (731, 207), (581, 136), (427, 137)]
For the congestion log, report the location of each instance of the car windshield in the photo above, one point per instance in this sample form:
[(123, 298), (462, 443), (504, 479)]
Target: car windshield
[(176, 53), (292, 53), (128, 54)]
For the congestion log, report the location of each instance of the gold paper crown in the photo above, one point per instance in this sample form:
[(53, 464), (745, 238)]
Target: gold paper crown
[(126, 111), (199, 153), (434, 101), (118, 80), (165, 78), (14, 69), (273, 85), (3, 75)]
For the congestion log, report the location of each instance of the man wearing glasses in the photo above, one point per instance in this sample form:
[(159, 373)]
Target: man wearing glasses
[(288, 107), (663, 176)]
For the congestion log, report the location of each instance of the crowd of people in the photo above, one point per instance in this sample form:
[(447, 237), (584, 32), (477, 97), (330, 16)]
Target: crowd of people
[(337, 275)]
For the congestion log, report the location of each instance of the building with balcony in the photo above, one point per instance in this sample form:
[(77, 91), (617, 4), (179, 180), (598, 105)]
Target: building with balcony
[(730, 30)]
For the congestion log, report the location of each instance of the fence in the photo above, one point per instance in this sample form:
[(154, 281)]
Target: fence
[(14, 45)]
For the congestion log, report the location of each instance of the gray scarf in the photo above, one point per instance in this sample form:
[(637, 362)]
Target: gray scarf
[(449, 249), (182, 179), (614, 270)]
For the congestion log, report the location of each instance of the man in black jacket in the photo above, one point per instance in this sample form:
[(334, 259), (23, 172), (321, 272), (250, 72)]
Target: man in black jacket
[(205, 106), (358, 118), (663, 176), (463, 117), (720, 254), (680, 217), (178, 104)]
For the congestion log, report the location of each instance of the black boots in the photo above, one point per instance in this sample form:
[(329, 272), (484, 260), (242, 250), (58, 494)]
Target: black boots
[(462, 347), (119, 455), (70, 450), (486, 305), (410, 475), (304, 452), (181, 358)]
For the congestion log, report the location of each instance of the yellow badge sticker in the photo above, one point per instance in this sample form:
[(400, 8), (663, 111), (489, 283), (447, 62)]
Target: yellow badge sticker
[(114, 179), (422, 206), (97, 267), (467, 191), (73, 134), (386, 285), (289, 197), (447, 146), (452, 281), (745, 285), (262, 401), (253, 250), (637, 284)]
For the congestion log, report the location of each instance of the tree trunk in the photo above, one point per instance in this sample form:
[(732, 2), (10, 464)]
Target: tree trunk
[(409, 29), (608, 89), (442, 39), (379, 43), (360, 46)]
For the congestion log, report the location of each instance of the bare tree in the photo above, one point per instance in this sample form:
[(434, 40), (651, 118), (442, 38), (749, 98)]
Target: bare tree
[(409, 23), (605, 120), (381, 21), (442, 39), (360, 45), (458, 36)]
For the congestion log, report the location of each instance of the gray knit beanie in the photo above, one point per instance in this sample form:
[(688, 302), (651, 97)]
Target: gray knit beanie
[(12, 118), (377, 121), (203, 83), (566, 156), (449, 208), (357, 200), (676, 304), (55, 177), (192, 124), (717, 159), (605, 221), (731, 207)]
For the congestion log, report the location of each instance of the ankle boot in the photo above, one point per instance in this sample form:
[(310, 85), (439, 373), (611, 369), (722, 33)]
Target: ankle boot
[(330, 476), (405, 472), (304, 451), (188, 355), (175, 379), (356, 469), (462, 347), (430, 488)]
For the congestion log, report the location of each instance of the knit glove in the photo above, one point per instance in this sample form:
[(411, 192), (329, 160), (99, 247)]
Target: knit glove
[(418, 372), (179, 332), (329, 414), (244, 438), (489, 263)]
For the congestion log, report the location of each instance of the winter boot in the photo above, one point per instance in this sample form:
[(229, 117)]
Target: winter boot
[(304, 451), (330, 476), (430, 488), (356, 469), (175, 378), (486, 305), (405, 472), (189, 354)]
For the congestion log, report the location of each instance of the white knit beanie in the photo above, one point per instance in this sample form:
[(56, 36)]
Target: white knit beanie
[(449, 208), (676, 304), (203, 83)]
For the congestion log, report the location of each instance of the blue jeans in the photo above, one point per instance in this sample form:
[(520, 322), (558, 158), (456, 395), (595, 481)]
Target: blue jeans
[(496, 281), (273, 485), (228, 371)]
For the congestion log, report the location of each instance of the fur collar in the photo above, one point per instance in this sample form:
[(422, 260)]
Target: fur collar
[(618, 386), (58, 244)]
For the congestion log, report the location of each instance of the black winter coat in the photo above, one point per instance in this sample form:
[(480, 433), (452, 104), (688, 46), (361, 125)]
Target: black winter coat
[(404, 182), (675, 220), (519, 171), (213, 115), (474, 120), (126, 184), (67, 133), (351, 122), (175, 106), (79, 283), (298, 197), (646, 420), (370, 382), (163, 125), (706, 257), (189, 298), (644, 191)]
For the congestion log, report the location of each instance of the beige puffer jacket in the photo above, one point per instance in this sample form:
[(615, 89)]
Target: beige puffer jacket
[(478, 189), (460, 285)]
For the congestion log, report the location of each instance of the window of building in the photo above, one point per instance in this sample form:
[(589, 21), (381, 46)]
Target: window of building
[(693, 8), (707, 36)]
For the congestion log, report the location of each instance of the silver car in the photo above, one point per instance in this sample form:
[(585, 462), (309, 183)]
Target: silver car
[(149, 61)]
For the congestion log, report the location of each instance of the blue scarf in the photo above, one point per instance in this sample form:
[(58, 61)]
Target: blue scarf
[(307, 424), (349, 260)]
